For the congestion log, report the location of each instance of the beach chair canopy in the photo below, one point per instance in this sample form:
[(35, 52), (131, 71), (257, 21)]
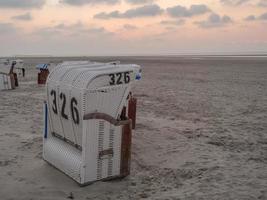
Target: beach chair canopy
[(4, 69), (6, 64), (42, 66)]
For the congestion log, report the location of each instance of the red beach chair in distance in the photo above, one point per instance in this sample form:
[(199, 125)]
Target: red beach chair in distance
[(43, 74)]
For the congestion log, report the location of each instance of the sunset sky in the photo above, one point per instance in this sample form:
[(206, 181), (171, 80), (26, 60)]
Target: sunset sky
[(132, 27)]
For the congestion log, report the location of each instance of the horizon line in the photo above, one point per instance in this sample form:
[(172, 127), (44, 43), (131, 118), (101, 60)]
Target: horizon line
[(142, 55)]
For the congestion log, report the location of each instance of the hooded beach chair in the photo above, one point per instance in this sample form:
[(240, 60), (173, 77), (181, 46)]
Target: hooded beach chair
[(8, 79), (86, 134), (43, 74)]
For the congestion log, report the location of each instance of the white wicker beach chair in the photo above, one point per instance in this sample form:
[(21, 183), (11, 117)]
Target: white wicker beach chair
[(7, 75), (5, 81), (84, 135)]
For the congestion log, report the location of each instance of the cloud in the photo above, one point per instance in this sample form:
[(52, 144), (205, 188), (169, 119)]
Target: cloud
[(262, 3), (254, 18), (79, 28), (181, 11), (139, 1), (76, 26), (214, 20), (104, 15), (71, 30), (234, 2), (23, 17), (173, 22), (129, 27), (144, 11), (263, 16), (7, 28), (84, 2), (21, 3), (250, 18)]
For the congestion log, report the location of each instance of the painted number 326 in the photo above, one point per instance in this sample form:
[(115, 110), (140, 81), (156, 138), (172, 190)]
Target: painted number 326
[(119, 78), (73, 106)]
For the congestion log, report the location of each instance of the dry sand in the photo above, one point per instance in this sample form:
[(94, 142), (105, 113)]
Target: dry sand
[(201, 134)]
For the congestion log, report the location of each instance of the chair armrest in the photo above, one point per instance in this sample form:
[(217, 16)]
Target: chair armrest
[(107, 117)]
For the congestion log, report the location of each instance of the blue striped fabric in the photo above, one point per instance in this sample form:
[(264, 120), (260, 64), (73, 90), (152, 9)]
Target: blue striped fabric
[(42, 66)]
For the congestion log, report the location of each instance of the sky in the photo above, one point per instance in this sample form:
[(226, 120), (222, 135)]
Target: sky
[(132, 27)]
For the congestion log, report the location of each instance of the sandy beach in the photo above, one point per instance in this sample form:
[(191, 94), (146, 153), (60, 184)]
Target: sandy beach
[(201, 134)]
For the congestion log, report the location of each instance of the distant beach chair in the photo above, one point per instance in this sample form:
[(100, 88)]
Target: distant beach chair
[(19, 69), (8, 78), (43, 74)]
